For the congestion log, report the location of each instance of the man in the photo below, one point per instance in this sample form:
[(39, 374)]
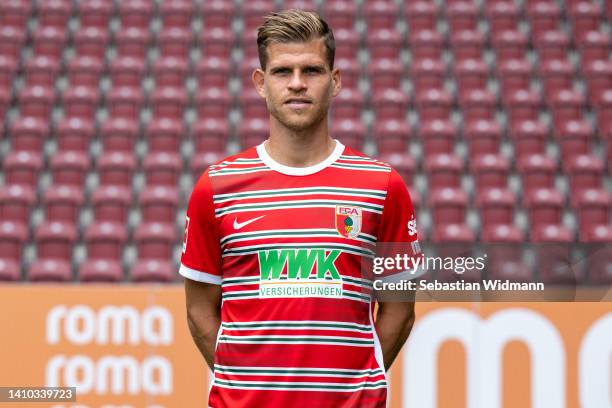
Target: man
[(275, 239)]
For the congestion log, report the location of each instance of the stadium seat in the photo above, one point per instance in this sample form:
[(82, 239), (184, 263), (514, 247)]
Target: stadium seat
[(443, 170), (537, 171), (105, 240), (392, 136), (164, 134), (351, 71), (453, 233), (403, 163), (170, 72), (477, 105), (111, 203), (169, 102), (11, 41), (467, 44), (16, 202), (553, 244), (556, 75), (593, 207), (502, 16), (340, 14), (529, 137), (8, 69), (544, 206), (217, 13), (42, 71), (80, 102), (159, 204), (95, 13), (153, 270), (116, 168), (384, 74), (175, 42), (118, 135), (505, 253), (36, 101), (509, 45), (135, 13), (348, 104), (384, 43), (54, 13), (84, 71), (252, 105), (252, 132), (212, 103), (514, 75), (380, 14), (91, 42), (13, 236), (438, 136), (132, 41), (522, 105), (55, 240), (604, 110), (599, 254), (217, 43), (69, 168), (434, 104), (566, 105), (49, 41), (63, 203), (127, 72), (100, 270), (14, 13), (215, 72), (75, 134), (29, 134), (210, 135), (543, 16), (496, 207), (50, 270), (552, 45), (584, 171), (426, 43), (10, 271), (350, 132), (253, 12), (22, 168), (598, 77), (575, 138), (483, 137), (155, 240), (585, 16), (449, 205), (390, 104), (462, 15), (421, 15), (594, 46), (176, 13), (162, 168), (124, 102), (471, 74), (490, 171)]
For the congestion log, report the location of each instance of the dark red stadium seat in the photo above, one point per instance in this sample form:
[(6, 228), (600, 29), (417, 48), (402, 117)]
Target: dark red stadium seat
[(543, 16), (522, 105), (111, 203), (300, 4), (552, 45), (252, 132), (116, 168), (54, 13), (462, 15), (383, 74), (29, 134), (599, 254), (63, 203), (528, 137), (217, 43), (210, 135), (95, 13), (449, 205), (16, 202), (105, 240), (537, 171), (215, 72), (153, 270), (502, 15), (477, 105), (252, 105), (380, 14), (471, 74), (8, 69), (384, 43), (91, 42), (483, 136), (14, 13), (467, 44), (594, 46), (11, 41), (556, 75), (55, 240), (49, 41), (175, 42), (50, 270), (575, 138), (127, 71), (566, 105), (118, 135), (421, 15), (593, 207), (444, 170), (585, 16), (13, 235), (404, 163), (10, 270), (75, 134), (598, 77), (212, 103), (84, 71), (553, 245), (22, 168), (545, 207), (169, 102), (155, 240), (217, 13), (200, 162), (351, 71), (132, 42), (496, 206), (426, 44), (453, 233), (164, 134), (584, 171), (509, 45), (135, 13), (81, 102), (69, 168), (513, 75), (390, 104), (350, 132), (100, 270), (124, 102), (162, 168), (176, 13), (604, 110), (170, 72), (42, 70), (340, 14), (36, 101), (438, 136), (434, 104), (490, 171), (392, 136), (430, 74), (348, 104), (253, 12), (505, 253), (159, 204)]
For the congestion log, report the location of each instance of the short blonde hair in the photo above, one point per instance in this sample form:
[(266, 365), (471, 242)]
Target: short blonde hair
[(294, 26)]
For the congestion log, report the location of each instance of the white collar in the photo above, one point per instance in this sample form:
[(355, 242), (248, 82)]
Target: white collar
[(299, 171)]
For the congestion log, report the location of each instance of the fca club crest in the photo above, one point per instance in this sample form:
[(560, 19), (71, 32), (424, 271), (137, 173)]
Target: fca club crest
[(348, 221)]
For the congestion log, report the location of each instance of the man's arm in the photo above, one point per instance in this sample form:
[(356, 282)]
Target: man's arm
[(204, 316), (393, 324)]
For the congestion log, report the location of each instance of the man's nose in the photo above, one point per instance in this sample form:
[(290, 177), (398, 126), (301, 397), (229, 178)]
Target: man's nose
[(297, 81)]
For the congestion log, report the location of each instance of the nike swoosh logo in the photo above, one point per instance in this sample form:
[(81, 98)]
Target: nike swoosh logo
[(238, 225)]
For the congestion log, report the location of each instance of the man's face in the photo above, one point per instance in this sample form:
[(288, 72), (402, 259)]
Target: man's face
[(298, 84)]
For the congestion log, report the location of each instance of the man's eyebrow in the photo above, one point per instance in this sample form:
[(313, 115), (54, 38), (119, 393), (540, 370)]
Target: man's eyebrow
[(317, 67)]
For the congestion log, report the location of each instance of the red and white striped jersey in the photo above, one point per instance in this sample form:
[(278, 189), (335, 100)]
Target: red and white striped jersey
[(287, 246)]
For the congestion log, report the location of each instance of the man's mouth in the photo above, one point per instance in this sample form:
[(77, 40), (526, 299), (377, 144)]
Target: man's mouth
[(298, 102)]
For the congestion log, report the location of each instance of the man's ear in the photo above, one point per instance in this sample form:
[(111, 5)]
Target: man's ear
[(336, 81), (258, 82)]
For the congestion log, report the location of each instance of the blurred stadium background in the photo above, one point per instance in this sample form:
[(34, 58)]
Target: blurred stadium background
[(498, 114)]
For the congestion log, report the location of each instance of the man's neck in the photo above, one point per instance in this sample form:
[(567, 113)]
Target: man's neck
[(299, 149)]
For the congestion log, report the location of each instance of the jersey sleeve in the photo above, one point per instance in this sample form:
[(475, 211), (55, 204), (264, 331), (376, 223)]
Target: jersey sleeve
[(397, 235), (201, 256)]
